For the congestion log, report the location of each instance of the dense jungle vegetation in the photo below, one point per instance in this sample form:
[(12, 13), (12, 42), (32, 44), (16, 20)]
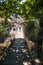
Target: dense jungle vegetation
[(32, 12)]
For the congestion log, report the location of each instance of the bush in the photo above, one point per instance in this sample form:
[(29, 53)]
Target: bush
[(32, 30), (3, 34)]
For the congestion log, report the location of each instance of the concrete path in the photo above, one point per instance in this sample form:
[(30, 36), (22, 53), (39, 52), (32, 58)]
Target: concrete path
[(18, 53), (19, 33)]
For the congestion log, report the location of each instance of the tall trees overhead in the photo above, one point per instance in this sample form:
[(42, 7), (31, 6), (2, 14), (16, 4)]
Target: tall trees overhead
[(31, 10), (9, 7), (32, 7), (26, 9)]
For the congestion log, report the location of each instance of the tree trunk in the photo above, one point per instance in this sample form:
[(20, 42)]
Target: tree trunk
[(40, 39)]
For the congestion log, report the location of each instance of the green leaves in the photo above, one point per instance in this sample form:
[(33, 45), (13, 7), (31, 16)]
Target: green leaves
[(9, 7)]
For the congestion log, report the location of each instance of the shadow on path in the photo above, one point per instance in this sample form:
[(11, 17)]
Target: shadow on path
[(18, 53)]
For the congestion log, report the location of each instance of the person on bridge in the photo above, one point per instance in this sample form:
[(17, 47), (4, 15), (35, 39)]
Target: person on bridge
[(20, 28)]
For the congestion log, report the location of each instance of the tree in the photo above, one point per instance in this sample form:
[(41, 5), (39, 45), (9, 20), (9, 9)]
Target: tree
[(9, 7), (32, 10)]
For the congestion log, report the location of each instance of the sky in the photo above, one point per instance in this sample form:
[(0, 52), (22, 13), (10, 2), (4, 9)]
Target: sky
[(23, 1), (2, 0), (5, 0)]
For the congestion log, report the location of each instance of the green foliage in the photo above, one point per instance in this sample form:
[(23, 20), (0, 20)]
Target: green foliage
[(31, 10), (9, 7), (2, 30), (32, 29)]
